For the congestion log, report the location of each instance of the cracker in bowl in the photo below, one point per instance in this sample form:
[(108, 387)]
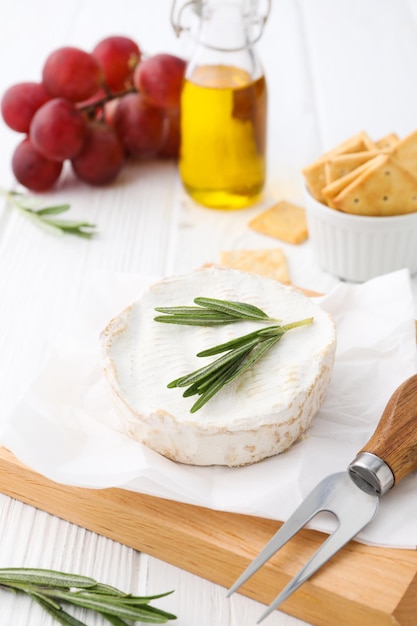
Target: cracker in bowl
[(378, 180)]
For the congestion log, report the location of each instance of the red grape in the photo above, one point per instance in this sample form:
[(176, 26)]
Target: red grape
[(140, 126), (58, 130), (20, 102), (95, 110), (160, 78), (32, 169), (72, 73), (171, 145), (101, 157), (118, 57), (109, 110)]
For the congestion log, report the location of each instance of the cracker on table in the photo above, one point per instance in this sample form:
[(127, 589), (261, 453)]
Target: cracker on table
[(385, 188), (284, 220), (270, 262)]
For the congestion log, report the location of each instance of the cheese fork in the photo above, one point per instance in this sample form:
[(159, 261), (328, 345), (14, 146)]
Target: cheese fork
[(352, 496)]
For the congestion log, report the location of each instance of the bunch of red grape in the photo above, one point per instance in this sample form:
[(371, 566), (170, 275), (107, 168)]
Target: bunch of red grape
[(94, 109)]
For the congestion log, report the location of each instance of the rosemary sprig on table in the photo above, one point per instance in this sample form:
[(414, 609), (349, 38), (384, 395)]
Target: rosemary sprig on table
[(43, 216), (50, 589), (238, 355)]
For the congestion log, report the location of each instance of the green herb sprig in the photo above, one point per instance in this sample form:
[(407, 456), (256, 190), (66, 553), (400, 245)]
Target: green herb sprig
[(51, 589), (44, 216), (212, 312), (238, 355)]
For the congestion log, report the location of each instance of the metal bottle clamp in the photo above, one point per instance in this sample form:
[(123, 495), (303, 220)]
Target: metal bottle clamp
[(256, 20)]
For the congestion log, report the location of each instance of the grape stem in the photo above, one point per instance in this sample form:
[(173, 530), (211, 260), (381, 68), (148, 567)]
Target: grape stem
[(92, 107)]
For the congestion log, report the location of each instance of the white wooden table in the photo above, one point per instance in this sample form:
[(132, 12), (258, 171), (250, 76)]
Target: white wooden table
[(333, 68)]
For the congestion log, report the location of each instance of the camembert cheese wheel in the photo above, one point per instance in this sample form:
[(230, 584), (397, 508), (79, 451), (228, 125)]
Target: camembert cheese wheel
[(261, 413)]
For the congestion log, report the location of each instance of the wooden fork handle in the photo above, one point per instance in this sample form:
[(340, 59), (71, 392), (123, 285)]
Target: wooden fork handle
[(395, 438)]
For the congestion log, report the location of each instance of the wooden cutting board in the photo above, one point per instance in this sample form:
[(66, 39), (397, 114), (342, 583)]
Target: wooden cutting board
[(360, 586)]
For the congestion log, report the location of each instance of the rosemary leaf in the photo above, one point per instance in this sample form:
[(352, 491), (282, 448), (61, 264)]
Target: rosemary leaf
[(209, 393), (50, 589), (44, 577), (37, 595), (71, 227), (210, 390), (217, 311), (115, 621), (53, 210), (203, 384), (128, 598), (186, 310), (42, 224), (196, 320), (59, 614), (101, 603), (255, 355), (113, 591), (199, 374), (239, 309), (39, 216), (243, 340), (67, 224)]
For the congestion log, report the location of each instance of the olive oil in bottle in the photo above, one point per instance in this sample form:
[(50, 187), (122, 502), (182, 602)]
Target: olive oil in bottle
[(223, 127), (222, 159)]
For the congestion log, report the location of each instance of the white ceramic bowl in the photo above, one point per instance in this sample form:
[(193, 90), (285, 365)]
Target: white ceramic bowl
[(356, 247)]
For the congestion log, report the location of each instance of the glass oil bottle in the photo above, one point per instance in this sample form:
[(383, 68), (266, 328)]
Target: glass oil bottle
[(224, 107)]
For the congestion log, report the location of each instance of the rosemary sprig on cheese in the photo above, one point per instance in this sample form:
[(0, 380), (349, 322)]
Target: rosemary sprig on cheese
[(238, 354), (51, 589), (212, 312)]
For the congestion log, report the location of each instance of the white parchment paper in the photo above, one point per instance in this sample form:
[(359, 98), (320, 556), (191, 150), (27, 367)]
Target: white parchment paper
[(65, 426)]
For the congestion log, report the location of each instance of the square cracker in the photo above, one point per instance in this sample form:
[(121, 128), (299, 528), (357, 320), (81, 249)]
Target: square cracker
[(283, 220), (315, 175), (342, 164), (333, 189), (387, 142), (271, 262), (385, 188), (405, 152)]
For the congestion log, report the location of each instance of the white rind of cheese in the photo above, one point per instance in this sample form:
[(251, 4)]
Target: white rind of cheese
[(260, 414)]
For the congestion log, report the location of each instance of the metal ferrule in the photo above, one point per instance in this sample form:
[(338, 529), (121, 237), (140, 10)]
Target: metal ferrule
[(371, 474)]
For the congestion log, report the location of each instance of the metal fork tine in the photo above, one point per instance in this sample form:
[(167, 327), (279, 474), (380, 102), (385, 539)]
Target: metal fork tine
[(340, 537), (334, 494), (301, 516)]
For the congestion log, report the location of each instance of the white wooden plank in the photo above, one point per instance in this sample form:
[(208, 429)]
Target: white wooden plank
[(207, 605), (47, 542)]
